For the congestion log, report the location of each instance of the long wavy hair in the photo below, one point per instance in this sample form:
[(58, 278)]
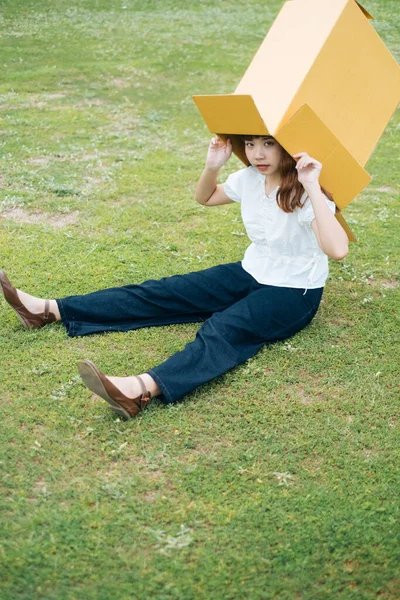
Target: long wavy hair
[(291, 190)]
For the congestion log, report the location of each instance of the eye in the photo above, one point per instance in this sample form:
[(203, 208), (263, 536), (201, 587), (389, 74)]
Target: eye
[(249, 144), (269, 143)]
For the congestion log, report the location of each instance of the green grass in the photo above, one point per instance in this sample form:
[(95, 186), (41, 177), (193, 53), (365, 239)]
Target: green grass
[(280, 480)]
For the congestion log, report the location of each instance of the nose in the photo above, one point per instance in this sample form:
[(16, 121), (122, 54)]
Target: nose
[(259, 153)]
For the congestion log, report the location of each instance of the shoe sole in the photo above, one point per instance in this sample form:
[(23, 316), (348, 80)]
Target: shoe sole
[(91, 378)]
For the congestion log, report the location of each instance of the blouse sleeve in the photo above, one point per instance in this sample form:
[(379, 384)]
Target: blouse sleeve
[(306, 213), (233, 186)]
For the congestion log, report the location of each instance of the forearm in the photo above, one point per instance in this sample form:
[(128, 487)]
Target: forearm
[(331, 236), (206, 185)]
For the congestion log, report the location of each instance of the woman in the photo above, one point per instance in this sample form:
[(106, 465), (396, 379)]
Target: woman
[(271, 295)]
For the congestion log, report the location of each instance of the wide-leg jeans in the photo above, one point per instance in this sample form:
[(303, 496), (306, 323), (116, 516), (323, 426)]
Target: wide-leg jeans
[(238, 316)]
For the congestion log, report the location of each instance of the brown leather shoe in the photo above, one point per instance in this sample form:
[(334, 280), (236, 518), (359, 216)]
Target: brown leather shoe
[(100, 385), (28, 319)]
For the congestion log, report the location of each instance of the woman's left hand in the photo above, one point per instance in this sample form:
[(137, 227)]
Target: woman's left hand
[(308, 169)]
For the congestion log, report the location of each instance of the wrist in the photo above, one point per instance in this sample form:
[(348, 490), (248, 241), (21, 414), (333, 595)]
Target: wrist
[(211, 169), (312, 187)]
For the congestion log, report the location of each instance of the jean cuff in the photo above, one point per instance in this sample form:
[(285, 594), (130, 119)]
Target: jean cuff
[(69, 326), (166, 397)]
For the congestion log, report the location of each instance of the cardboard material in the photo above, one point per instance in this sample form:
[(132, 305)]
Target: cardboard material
[(342, 175), (322, 82), (232, 113), (364, 10)]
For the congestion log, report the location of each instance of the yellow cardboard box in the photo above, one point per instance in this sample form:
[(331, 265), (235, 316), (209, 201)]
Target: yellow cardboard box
[(322, 82)]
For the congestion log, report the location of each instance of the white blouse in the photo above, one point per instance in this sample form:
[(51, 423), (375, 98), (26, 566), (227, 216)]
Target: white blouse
[(284, 250)]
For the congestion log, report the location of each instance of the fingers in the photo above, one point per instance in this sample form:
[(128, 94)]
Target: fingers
[(304, 161), (217, 142), (219, 152)]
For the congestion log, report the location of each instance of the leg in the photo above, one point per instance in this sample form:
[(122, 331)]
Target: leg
[(178, 299), (226, 339), (231, 337)]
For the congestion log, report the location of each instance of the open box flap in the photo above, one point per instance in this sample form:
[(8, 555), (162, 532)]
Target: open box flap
[(231, 113), (341, 174)]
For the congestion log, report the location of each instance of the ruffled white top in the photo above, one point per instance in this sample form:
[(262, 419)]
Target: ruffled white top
[(284, 250)]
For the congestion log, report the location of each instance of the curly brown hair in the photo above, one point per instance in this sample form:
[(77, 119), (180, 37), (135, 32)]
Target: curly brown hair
[(291, 190)]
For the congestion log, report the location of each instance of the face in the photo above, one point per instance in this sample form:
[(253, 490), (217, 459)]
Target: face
[(264, 153)]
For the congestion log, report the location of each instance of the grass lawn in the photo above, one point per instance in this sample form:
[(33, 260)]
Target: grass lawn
[(279, 480)]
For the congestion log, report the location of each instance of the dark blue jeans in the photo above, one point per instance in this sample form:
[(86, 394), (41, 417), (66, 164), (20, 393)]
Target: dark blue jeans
[(239, 316)]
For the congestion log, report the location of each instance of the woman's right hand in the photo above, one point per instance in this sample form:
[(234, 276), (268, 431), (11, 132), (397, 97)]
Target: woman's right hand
[(218, 153)]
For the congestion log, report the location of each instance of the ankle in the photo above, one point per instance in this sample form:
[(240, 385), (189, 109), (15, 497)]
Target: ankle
[(55, 310), (150, 385)]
